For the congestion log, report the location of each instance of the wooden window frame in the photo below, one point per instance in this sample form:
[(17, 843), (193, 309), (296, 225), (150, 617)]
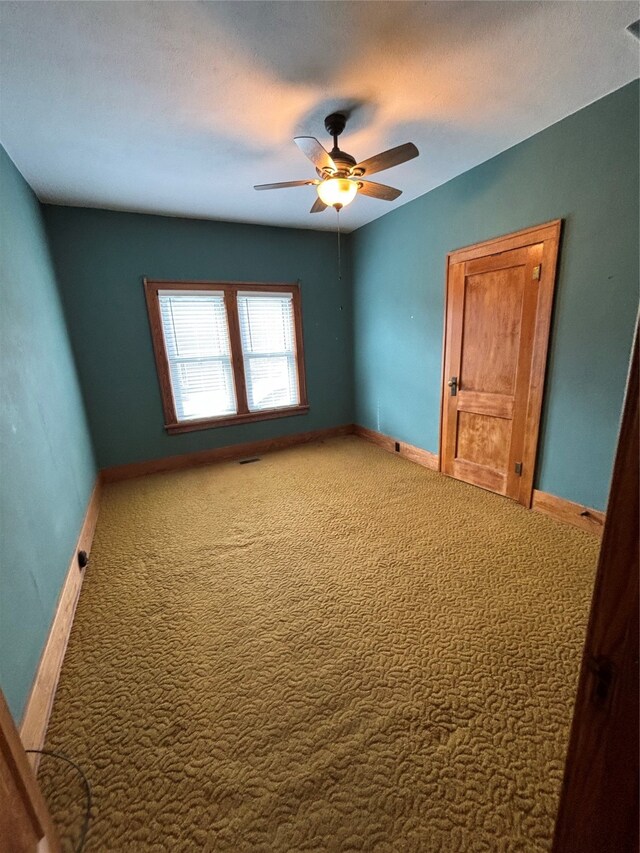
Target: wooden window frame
[(230, 289)]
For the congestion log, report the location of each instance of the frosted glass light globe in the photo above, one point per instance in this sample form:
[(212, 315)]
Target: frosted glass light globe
[(336, 191)]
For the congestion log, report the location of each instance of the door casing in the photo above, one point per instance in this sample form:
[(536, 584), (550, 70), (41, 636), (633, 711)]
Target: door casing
[(548, 234)]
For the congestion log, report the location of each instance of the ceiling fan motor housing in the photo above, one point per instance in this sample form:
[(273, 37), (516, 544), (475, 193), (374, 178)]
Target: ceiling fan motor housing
[(344, 163), (335, 124)]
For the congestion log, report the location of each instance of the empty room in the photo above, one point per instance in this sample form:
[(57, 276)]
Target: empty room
[(319, 426)]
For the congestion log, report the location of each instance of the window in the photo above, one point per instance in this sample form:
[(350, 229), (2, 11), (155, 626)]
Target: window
[(268, 347), (226, 353), (196, 340)]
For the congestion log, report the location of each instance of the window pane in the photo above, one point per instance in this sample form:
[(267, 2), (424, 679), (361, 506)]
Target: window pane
[(197, 342), (195, 326), (267, 332), (271, 382), (203, 389), (266, 323)]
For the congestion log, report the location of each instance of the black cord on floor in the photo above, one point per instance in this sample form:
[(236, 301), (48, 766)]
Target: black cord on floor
[(87, 787)]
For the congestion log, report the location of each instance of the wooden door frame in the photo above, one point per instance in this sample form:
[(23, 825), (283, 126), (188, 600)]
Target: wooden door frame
[(547, 233), (25, 798)]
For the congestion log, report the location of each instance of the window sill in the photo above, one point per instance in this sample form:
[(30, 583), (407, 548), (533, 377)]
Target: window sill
[(230, 420)]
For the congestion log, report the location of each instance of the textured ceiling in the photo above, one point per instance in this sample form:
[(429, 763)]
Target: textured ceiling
[(180, 108)]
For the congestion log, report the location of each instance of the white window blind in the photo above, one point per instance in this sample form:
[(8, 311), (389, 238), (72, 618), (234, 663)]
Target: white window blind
[(197, 342), (267, 332)]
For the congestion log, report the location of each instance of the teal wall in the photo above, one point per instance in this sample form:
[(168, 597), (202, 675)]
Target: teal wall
[(47, 467), (584, 170), (372, 341), (101, 257)]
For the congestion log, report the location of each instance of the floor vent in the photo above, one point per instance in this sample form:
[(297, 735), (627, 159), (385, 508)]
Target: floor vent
[(246, 461)]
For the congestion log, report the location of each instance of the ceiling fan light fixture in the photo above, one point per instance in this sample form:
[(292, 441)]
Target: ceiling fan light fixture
[(337, 192), (339, 175)]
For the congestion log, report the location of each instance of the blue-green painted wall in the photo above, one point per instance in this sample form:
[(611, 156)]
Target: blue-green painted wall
[(47, 466), (584, 170), (373, 340), (101, 257)]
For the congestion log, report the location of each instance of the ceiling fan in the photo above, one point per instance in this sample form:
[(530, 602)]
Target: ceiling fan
[(339, 175)]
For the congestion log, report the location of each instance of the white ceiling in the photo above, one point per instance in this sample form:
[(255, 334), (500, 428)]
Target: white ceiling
[(181, 107)]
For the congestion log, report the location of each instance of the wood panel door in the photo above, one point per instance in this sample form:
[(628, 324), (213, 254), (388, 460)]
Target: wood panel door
[(498, 312), (598, 810)]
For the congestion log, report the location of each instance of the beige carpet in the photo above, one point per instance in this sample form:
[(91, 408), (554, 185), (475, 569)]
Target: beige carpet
[(331, 649)]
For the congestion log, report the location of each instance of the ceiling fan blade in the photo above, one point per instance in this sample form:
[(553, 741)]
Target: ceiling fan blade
[(285, 184), (312, 149), (378, 190), (318, 206), (387, 159)]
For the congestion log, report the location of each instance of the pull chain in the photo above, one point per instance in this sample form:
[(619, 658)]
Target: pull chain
[(339, 261)]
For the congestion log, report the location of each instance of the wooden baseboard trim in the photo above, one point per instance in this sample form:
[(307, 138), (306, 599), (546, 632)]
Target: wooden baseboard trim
[(407, 451), (35, 719), (219, 454), (580, 516)]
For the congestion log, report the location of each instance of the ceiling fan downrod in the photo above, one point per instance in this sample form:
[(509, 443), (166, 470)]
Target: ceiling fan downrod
[(334, 125)]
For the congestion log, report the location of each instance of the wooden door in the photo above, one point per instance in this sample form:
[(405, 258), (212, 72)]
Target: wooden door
[(598, 810), (499, 300)]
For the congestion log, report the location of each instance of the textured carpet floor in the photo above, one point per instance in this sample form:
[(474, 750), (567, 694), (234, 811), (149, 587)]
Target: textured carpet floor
[(331, 649)]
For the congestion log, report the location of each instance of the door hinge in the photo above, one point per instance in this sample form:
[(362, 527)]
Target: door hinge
[(537, 272), (603, 673), (518, 468)]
